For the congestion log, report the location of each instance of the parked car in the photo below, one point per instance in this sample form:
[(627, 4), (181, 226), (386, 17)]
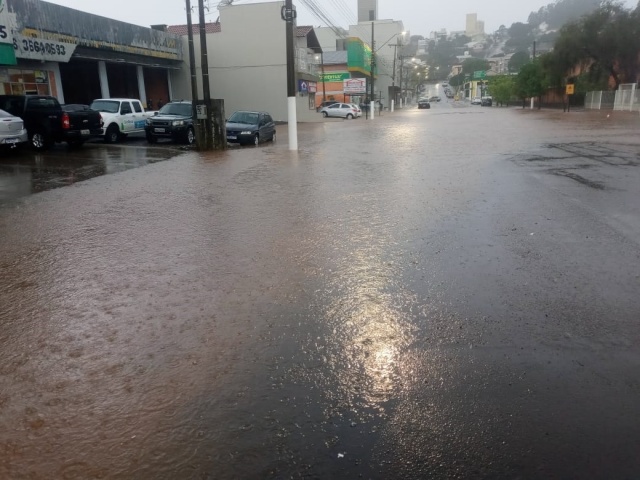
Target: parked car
[(486, 101), (174, 121), (340, 110), (46, 122), (358, 109), (122, 116), (250, 128), (326, 103), (435, 98), (476, 101), (424, 103), (12, 131)]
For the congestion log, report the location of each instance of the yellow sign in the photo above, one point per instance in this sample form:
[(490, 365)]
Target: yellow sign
[(571, 88)]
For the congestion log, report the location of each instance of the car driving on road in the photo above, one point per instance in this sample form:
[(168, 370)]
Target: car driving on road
[(423, 103)]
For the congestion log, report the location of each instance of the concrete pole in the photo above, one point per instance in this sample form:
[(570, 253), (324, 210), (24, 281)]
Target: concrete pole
[(104, 79), (142, 91), (289, 15), (393, 104)]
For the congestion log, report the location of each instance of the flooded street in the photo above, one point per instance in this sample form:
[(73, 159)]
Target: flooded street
[(443, 293)]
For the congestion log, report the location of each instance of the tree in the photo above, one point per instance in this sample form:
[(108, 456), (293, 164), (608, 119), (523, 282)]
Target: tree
[(520, 36), (530, 82), (502, 88), (605, 43), (457, 80), (518, 60), (471, 65)]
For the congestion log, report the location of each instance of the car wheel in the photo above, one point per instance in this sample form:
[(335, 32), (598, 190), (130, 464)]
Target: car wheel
[(39, 141), (112, 135), (151, 138), (325, 114), (191, 136), (273, 137), (256, 139), (349, 116)]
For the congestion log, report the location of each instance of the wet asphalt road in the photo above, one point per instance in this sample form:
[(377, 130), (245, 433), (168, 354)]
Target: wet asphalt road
[(444, 293)]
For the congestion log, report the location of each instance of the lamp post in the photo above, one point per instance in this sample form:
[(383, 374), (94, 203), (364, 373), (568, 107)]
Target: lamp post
[(321, 58)]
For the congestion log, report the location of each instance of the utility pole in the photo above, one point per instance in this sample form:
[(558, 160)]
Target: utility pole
[(393, 78), (401, 73), (372, 106), (207, 142), (534, 57), (324, 91), (192, 67), (288, 15)]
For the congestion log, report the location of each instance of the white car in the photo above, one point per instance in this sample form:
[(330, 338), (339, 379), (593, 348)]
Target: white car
[(340, 110), (476, 101), (121, 116), (358, 110), (12, 131)]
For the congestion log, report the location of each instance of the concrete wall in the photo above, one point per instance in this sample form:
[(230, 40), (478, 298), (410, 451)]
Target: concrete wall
[(364, 7), (247, 62)]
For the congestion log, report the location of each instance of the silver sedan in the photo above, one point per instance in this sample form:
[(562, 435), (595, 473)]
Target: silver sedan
[(341, 110), (12, 131)]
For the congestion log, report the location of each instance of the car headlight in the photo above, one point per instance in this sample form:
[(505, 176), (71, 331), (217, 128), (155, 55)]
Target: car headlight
[(147, 121), (246, 132), (178, 123)]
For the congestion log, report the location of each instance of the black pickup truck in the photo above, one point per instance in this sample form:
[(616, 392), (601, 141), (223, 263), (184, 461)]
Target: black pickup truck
[(48, 122)]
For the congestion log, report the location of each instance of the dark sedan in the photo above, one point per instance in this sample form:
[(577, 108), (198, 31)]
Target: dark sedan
[(174, 121), (250, 128), (424, 104)]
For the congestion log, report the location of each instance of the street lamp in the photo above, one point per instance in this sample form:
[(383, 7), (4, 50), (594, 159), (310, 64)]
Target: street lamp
[(321, 58)]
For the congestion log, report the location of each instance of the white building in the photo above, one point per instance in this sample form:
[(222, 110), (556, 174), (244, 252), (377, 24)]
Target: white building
[(247, 61), (367, 10)]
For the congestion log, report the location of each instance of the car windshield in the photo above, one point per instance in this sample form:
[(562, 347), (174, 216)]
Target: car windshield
[(106, 106), (249, 118), (182, 109)]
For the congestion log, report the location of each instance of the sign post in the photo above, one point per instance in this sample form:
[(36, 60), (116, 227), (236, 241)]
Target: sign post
[(570, 90)]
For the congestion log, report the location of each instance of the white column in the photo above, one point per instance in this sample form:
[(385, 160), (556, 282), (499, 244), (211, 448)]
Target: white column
[(293, 123), (55, 68), (142, 92), (372, 109), (104, 80), (170, 85)]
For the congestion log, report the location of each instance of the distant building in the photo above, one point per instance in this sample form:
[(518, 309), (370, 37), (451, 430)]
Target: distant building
[(367, 10), (474, 27)]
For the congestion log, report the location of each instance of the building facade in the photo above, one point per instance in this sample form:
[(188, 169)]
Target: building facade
[(77, 57), (367, 10), (248, 64)]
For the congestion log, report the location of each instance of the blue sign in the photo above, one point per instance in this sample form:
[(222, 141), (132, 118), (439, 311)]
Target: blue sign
[(303, 86)]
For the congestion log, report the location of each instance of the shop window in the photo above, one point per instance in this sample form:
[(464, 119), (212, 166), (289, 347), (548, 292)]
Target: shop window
[(312, 101), (17, 81)]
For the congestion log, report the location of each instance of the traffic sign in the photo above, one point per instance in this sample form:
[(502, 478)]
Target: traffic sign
[(571, 89), (479, 74)]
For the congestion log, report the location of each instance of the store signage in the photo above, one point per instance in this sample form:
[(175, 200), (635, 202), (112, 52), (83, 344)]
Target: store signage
[(38, 49), (355, 86), (303, 86), (335, 77), (313, 87)]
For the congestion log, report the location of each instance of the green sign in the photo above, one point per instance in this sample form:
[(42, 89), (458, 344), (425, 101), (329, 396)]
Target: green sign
[(478, 74), (7, 54), (335, 77)]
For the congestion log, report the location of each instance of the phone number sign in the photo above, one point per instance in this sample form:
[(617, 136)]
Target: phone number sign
[(37, 49)]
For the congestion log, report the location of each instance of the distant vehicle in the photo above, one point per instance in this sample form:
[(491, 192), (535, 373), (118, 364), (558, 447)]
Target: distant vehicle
[(250, 128), (340, 110), (445, 84), (47, 122), (423, 103), (12, 131), (434, 98), (174, 121), (122, 116), (486, 101), (476, 101), (326, 103)]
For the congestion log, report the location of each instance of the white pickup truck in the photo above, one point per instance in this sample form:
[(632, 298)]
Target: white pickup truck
[(121, 116)]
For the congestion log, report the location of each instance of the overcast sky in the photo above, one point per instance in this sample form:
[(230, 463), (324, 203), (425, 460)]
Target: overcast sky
[(419, 16)]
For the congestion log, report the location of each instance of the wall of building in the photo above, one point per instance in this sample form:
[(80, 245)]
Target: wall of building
[(365, 7), (248, 71)]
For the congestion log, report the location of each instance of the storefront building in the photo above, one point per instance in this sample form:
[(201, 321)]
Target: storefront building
[(77, 57)]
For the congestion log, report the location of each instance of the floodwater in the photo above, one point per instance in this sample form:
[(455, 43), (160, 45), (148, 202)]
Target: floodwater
[(436, 293)]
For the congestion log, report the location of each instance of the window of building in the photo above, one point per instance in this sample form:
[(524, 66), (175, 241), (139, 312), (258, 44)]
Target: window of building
[(16, 81), (372, 15)]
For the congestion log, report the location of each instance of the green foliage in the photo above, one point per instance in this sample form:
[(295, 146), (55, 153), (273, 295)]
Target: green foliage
[(530, 82), (520, 37), (518, 60), (604, 43), (502, 88), (556, 14), (457, 80), (471, 65)]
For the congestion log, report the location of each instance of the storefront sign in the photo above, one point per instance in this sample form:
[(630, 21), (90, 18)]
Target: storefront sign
[(303, 86), (7, 23), (313, 87), (335, 77), (355, 86), (38, 49)]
